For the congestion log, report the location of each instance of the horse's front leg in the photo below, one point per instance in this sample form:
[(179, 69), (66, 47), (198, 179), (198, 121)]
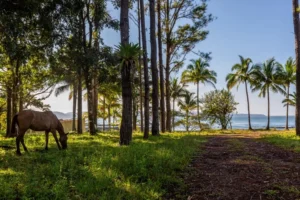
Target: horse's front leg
[(55, 137), (47, 138)]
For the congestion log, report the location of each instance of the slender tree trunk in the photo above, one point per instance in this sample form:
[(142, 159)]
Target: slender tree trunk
[(126, 124), (79, 113), (187, 121), (21, 94), (140, 71), (103, 121), (173, 115), (146, 75), (8, 112), (75, 88), (15, 89), (90, 105), (95, 101), (198, 109), (248, 105), (168, 50), (287, 109), (134, 110), (161, 71), (297, 51), (155, 88), (109, 124), (268, 124)]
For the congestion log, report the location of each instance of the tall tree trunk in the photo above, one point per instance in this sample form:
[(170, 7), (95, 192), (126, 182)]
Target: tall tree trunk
[(9, 109), (75, 88), (187, 121), (161, 71), (95, 101), (126, 123), (268, 124), (15, 89), (140, 71), (103, 121), (155, 88), (297, 51), (287, 108), (79, 113), (146, 75), (21, 94), (168, 48), (198, 109), (134, 113), (90, 105), (248, 105), (109, 124), (173, 115)]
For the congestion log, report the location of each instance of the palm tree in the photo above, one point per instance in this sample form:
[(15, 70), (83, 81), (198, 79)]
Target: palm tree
[(297, 51), (265, 78), (291, 100), (187, 104), (241, 74), (129, 55), (288, 77), (197, 73), (177, 90)]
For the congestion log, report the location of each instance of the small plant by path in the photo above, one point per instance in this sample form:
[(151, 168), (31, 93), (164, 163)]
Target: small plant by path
[(243, 167)]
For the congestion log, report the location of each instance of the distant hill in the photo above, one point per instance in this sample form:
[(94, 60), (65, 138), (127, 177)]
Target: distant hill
[(61, 115)]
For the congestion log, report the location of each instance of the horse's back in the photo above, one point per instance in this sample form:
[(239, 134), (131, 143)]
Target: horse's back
[(37, 121)]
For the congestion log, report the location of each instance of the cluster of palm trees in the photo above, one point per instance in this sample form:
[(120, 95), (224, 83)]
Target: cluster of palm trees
[(266, 77), (197, 72)]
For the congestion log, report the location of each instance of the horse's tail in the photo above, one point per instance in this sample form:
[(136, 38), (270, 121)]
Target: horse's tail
[(13, 126)]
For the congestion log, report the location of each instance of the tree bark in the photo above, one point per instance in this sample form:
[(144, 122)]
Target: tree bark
[(268, 124), (134, 102), (109, 124), (79, 113), (161, 71), (248, 105), (75, 88), (90, 105), (15, 88), (146, 75), (103, 121), (140, 71), (21, 94), (173, 115), (297, 51), (155, 88), (168, 48), (287, 109), (95, 101), (8, 112), (126, 123), (198, 109)]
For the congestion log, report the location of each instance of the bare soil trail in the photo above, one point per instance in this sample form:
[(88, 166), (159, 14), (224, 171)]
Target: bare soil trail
[(243, 167)]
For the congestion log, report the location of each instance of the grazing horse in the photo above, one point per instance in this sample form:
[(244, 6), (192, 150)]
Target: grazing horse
[(37, 121)]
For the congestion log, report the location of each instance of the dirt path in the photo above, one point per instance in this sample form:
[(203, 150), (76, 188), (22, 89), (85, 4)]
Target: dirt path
[(241, 167)]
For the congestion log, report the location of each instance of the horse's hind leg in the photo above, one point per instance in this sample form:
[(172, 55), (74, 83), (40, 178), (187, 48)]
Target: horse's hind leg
[(55, 137), (18, 145), (22, 141), (47, 138)]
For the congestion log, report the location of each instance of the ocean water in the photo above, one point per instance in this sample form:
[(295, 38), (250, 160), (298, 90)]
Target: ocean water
[(258, 122)]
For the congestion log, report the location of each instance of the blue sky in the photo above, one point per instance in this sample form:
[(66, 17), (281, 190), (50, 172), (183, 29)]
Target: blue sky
[(256, 29)]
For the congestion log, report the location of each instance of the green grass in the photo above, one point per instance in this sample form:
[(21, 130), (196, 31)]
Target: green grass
[(96, 167), (284, 139)]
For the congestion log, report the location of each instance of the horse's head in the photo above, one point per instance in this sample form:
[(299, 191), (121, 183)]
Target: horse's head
[(63, 140)]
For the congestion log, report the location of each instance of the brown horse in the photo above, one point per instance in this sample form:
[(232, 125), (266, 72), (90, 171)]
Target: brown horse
[(37, 121)]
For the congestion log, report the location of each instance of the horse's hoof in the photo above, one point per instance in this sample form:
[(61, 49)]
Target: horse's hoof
[(19, 153)]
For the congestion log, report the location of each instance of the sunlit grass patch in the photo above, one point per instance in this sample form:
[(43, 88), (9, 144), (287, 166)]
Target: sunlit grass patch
[(284, 139), (96, 167)]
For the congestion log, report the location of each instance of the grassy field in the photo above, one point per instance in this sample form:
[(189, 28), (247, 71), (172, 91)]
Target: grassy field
[(95, 167), (284, 139)]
